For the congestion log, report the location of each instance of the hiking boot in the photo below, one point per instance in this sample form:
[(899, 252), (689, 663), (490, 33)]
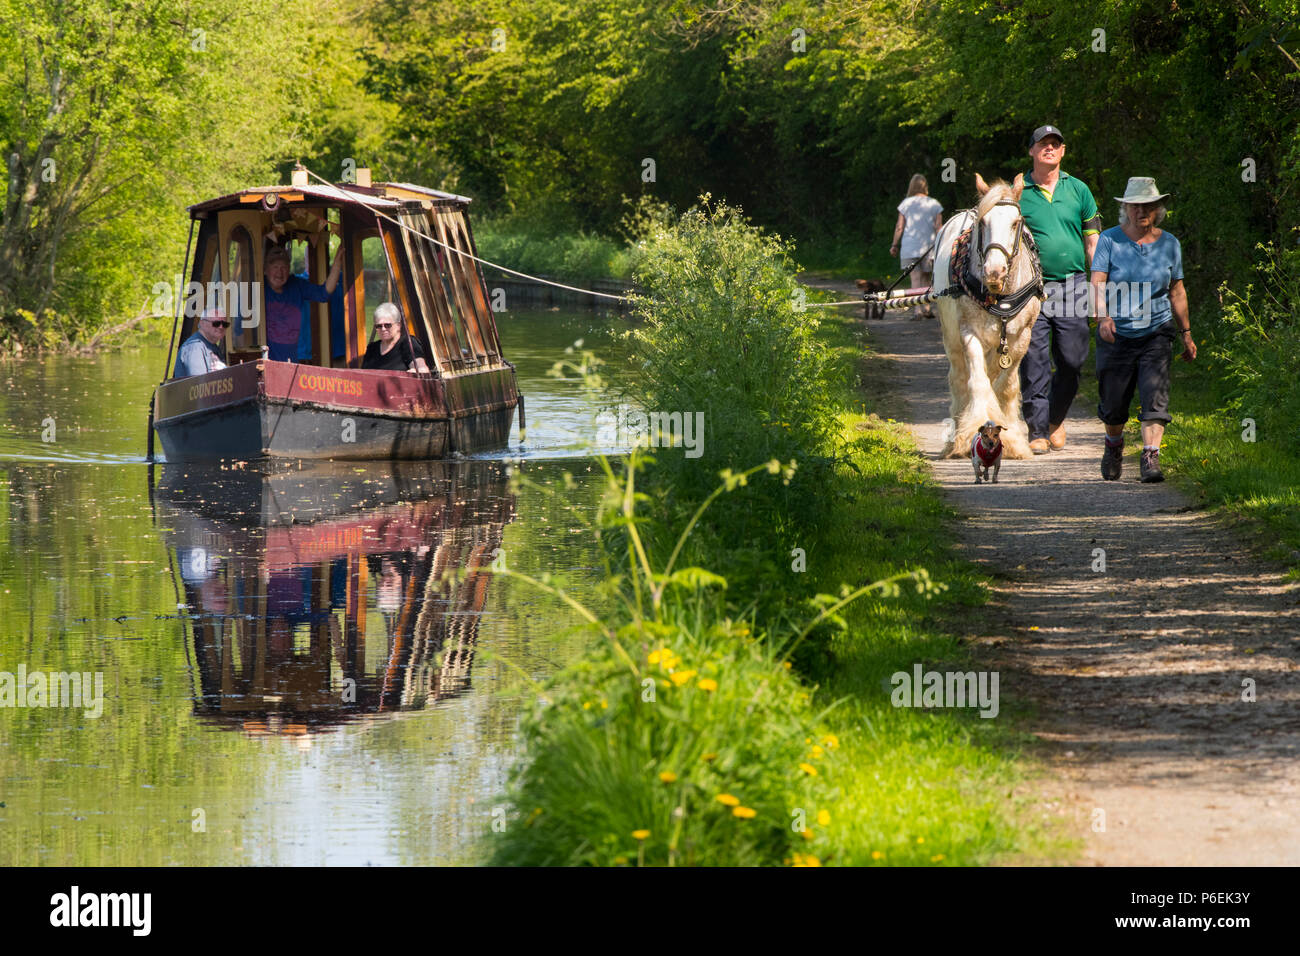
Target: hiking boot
[(1057, 438), (1151, 466), (1039, 446), (1112, 462)]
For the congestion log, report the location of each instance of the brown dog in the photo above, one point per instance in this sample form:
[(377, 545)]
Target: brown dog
[(986, 452), (875, 310)]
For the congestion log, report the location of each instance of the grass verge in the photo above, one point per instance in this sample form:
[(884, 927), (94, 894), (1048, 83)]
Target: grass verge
[(1253, 485), (713, 725), (608, 769)]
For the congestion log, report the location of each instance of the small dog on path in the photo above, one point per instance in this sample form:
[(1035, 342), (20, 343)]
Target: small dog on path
[(875, 310), (986, 452)]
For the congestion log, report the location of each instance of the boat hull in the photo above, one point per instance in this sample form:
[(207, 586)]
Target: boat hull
[(270, 409)]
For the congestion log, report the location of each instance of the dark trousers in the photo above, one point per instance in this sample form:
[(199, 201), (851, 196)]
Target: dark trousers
[(1142, 365), (1060, 338)]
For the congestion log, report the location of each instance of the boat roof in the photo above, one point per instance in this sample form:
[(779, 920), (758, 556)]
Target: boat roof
[(376, 195)]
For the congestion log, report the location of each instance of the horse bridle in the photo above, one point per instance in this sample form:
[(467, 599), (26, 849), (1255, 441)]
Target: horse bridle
[(1015, 245), (1005, 306)]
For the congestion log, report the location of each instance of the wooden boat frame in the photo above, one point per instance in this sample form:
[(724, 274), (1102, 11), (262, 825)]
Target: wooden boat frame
[(328, 407)]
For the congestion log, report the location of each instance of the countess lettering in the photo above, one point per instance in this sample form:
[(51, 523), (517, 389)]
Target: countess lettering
[(205, 389), (323, 383)]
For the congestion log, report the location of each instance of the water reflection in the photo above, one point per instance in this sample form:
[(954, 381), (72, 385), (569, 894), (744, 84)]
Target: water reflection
[(332, 593)]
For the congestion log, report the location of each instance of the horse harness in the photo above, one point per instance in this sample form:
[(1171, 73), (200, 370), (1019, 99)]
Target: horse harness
[(1002, 307), (961, 282)]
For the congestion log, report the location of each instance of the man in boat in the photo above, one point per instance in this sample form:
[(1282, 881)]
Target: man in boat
[(201, 352), (1062, 214), (338, 332), (394, 350), (285, 295)]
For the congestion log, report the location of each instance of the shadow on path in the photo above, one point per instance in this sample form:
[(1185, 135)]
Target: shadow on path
[(1138, 667)]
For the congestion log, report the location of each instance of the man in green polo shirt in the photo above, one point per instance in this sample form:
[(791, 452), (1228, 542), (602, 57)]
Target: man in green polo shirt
[(1062, 214)]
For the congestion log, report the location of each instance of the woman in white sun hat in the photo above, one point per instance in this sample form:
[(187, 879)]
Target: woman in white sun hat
[(1141, 309)]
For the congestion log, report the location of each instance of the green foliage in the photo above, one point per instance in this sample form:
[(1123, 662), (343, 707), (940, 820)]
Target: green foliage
[(724, 335), (115, 117), (529, 247), (1261, 348), (636, 741), (683, 738), (812, 115)]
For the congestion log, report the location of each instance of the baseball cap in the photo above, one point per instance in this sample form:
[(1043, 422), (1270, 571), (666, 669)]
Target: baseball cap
[(1046, 131)]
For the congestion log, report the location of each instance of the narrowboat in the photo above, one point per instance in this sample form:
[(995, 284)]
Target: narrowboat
[(400, 243)]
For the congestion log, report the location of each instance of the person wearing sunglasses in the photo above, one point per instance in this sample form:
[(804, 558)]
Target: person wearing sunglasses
[(394, 350), (1142, 319), (201, 352)]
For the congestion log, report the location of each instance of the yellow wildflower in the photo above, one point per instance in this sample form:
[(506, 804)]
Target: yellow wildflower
[(745, 813), (654, 657), (681, 677), (708, 683), (668, 776), (920, 839), (586, 705), (936, 858), (640, 834), (620, 861), (824, 817), (809, 769), (727, 799), (801, 859), (604, 704), (806, 834), (708, 757), (817, 752), (787, 665), (831, 741), (877, 855)]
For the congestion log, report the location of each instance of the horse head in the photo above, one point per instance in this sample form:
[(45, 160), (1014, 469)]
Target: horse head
[(998, 228)]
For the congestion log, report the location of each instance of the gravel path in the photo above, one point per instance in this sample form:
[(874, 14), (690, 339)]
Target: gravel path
[(1136, 672)]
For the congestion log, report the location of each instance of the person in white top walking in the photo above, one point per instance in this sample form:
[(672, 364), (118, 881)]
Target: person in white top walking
[(919, 220)]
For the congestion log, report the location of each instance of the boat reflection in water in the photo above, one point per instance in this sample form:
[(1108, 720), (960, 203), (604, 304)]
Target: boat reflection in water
[(334, 593)]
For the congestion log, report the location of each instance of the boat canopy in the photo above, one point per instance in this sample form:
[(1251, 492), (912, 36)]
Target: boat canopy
[(402, 243)]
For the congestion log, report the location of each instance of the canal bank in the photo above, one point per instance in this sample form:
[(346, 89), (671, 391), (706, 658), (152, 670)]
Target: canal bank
[(698, 733)]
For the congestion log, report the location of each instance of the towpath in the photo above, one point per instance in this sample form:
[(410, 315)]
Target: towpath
[(1137, 672)]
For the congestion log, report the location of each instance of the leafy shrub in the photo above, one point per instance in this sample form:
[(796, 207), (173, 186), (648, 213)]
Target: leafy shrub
[(1262, 349), (722, 335), (684, 737)]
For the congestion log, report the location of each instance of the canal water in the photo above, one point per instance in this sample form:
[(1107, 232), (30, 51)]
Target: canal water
[(303, 666)]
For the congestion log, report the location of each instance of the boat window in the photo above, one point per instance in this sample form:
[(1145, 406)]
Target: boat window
[(378, 283), (239, 297), (466, 354)]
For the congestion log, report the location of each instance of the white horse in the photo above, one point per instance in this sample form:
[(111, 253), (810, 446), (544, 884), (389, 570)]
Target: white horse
[(983, 380)]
